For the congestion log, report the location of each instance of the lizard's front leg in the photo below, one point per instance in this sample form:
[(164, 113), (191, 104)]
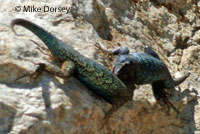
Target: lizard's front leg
[(119, 103), (110, 112), (118, 51)]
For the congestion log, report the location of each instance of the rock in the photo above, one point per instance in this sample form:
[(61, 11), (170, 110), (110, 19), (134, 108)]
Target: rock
[(94, 12), (49, 105)]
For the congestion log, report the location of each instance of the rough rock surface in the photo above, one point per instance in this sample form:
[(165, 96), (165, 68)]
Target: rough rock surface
[(50, 106)]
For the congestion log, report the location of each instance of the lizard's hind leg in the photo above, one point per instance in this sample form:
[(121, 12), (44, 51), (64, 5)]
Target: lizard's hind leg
[(41, 68), (65, 71), (34, 75), (169, 104), (43, 50), (161, 95)]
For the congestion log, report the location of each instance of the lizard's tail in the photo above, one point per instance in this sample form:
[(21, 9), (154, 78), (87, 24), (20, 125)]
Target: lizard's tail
[(180, 80), (54, 44)]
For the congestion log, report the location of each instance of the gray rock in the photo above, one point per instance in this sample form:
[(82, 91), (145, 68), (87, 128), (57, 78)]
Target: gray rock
[(48, 105)]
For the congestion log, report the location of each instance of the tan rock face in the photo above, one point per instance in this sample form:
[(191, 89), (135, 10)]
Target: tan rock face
[(49, 105)]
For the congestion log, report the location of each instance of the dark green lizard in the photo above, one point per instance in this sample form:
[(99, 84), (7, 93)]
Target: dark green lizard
[(144, 68), (95, 76)]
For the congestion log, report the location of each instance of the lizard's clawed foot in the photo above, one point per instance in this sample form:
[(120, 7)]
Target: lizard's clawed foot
[(165, 103), (169, 104), (109, 114), (42, 49), (102, 47), (36, 73), (168, 94), (118, 51), (65, 71)]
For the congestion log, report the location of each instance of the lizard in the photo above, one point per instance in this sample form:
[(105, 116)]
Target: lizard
[(158, 87), (144, 68), (95, 76)]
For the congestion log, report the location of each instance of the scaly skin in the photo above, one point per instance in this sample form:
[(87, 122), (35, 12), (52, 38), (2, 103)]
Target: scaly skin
[(141, 68), (95, 76), (144, 68), (158, 87), (169, 83)]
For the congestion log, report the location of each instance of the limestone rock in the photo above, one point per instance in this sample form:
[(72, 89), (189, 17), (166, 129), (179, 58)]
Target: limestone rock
[(49, 105)]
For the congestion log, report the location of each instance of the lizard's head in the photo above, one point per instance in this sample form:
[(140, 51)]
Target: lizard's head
[(117, 68), (120, 63), (121, 51), (123, 68)]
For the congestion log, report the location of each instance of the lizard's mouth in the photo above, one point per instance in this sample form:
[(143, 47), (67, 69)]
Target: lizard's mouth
[(117, 68)]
